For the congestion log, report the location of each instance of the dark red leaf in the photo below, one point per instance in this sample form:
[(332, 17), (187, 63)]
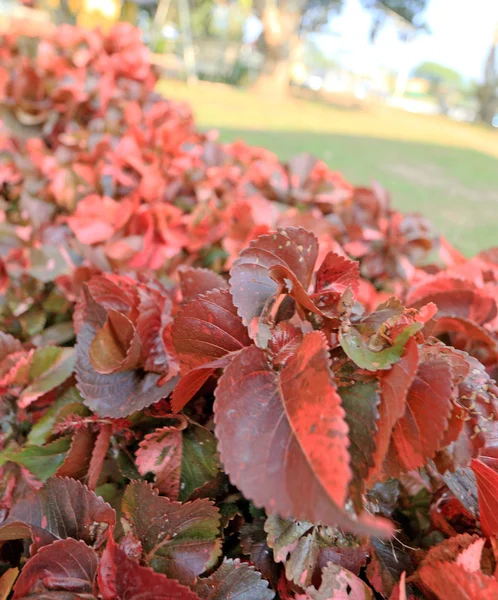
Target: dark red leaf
[(121, 578), (99, 454), (233, 580), (460, 299), (394, 385), (199, 281), (290, 435), (63, 508), (153, 318), (387, 562), (465, 335), (361, 400), (284, 342), (251, 284), (78, 458), (119, 394), (253, 544), (63, 566), (205, 330)]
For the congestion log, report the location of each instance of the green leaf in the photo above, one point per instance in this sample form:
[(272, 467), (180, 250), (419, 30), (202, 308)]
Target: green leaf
[(33, 321), (70, 403), (126, 466), (179, 540), (356, 347), (200, 460), (47, 263), (42, 461), (234, 580), (60, 333), (361, 400), (183, 460), (50, 367)]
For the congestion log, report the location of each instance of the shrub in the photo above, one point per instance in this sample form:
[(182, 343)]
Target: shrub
[(280, 386)]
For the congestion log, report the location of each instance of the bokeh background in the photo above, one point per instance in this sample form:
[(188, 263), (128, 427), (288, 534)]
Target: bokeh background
[(404, 92)]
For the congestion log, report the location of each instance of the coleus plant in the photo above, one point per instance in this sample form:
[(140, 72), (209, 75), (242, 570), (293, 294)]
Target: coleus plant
[(222, 376)]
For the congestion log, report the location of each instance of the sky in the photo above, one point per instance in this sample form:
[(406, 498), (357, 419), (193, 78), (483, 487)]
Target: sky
[(461, 36)]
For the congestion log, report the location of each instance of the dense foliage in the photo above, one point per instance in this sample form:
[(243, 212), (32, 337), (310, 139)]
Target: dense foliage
[(223, 376)]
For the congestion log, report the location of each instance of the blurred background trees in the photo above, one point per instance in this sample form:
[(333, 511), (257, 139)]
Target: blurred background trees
[(279, 44)]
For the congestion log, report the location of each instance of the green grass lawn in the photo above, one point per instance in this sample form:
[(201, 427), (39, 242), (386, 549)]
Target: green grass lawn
[(446, 170)]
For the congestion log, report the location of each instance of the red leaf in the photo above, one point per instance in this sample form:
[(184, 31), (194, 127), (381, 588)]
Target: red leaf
[(121, 578), (179, 540), (194, 282), (394, 385), (188, 386), (487, 486), (450, 549), (251, 284), (417, 436), (470, 558), (160, 452), (280, 434), (63, 508), (96, 218), (183, 458), (98, 455), (66, 565), (450, 580), (334, 276)]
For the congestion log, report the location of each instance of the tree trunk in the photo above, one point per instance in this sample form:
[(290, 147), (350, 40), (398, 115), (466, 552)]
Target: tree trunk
[(276, 43), (65, 15), (488, 91)]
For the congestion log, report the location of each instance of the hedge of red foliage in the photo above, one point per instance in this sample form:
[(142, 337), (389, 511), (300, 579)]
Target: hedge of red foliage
[(223, 376)]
